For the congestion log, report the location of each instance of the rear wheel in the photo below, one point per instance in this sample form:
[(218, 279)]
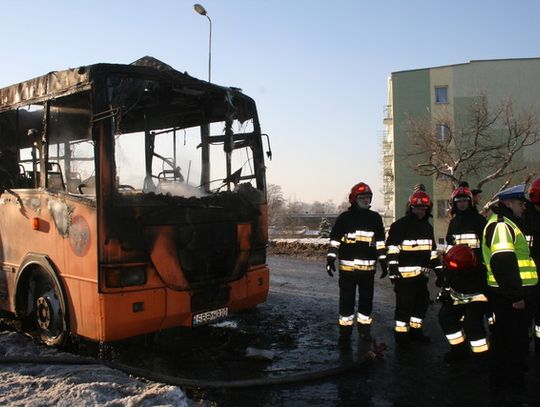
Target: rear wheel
[(47, 312)]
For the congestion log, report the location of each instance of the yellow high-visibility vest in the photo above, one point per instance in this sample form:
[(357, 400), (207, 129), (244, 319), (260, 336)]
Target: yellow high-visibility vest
[(503, 241)]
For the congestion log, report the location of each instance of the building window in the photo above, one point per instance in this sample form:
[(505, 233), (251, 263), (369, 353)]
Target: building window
[(441, 94), (442, 133), (442, 207)]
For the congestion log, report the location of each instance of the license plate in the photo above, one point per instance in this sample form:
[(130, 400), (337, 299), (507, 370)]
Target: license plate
[(210, 316)]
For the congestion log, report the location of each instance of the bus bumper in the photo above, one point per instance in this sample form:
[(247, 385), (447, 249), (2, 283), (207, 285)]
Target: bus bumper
[(136, 313)]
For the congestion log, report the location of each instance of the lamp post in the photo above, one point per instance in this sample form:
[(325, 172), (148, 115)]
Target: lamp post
[(202, 11)]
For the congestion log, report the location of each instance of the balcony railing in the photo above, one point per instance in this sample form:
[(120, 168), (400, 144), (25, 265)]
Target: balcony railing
[(387, 113)]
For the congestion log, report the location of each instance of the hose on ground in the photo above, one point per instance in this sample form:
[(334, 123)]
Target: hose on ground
[(193, 383)]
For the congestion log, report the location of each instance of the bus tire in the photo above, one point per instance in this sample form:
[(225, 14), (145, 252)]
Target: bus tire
[(47, 313)]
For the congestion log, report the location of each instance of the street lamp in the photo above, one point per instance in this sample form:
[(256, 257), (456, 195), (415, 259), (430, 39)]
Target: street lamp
[(202, 11)]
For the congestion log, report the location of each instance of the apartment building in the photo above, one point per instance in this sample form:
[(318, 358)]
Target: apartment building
[(449, 91)]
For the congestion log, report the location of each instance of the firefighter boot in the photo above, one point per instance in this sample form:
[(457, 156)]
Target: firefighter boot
[(344, 341), (364, 332), (457, 352), (417, 335), (403, 340)]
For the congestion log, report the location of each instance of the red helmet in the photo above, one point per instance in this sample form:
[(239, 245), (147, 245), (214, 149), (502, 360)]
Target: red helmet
[(359, 189), (534, 191), (420, 198), (461, 192), (460, 258)]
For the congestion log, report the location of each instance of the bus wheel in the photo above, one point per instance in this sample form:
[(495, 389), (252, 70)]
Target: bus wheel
[(48, 309)]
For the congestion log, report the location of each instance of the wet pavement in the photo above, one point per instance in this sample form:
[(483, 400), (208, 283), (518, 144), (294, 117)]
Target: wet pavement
[(298, 324)]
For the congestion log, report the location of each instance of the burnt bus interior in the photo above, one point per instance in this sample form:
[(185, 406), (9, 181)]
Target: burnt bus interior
[(183, 152), (29, 142)]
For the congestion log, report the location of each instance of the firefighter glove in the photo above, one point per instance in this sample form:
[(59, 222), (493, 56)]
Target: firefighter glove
[(330, 266), (442, 280), (444, 296), (393, 272), (384, 268), (439, 282)]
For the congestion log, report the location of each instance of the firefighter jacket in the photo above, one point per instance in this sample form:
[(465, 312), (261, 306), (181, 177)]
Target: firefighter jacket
[(357, 238), (507, 256), (411, 246), (466, 227), (532, 230)]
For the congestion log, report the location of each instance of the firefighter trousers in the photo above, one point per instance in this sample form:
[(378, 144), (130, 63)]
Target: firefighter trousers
[(349, 282), (412, 299), (471, 329)]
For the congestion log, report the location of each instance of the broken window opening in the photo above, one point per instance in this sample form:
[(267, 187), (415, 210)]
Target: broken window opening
[(71, 156), (175, 167), (21, 147), (163, 144)]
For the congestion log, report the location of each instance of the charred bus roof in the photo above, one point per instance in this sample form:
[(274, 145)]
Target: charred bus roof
[(202, 101)]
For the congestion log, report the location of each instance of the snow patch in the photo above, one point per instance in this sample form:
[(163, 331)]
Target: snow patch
[(312, 240), (73, 385), (226, 324)]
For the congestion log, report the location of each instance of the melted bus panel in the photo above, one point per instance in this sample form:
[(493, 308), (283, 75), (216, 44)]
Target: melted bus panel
[(133, 199)]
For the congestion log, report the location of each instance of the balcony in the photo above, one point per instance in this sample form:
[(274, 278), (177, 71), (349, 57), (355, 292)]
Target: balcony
[(387, 112)]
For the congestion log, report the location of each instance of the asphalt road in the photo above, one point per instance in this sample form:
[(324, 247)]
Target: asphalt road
[(298, 324)]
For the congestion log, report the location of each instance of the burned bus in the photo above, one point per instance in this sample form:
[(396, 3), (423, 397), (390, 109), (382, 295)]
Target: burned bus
[(133, 199)]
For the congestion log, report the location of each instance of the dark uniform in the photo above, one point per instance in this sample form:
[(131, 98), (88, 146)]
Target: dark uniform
[(532, 226), (357, 238), (511, 277), (462, 315), (411, 256)]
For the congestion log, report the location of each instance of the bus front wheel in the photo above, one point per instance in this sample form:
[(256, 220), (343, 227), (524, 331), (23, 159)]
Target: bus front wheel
[(48, 308)]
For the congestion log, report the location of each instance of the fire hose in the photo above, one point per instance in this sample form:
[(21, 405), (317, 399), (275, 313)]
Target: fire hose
[(368, 357)]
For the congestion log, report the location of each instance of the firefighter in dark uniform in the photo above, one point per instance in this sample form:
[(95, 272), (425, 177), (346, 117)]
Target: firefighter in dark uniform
[(477, 197), (411, 256), (532, 220), (511, 278), (463, 298), (357, 239)]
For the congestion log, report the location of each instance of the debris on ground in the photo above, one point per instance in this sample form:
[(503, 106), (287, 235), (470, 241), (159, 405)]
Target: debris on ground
[(259, 354)]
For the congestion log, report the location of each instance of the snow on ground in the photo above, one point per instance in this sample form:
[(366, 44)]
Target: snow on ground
[(310, 240), (73, 385)]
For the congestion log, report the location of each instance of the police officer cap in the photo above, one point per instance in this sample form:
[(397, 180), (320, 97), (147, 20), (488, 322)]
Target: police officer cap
[(517, 192)]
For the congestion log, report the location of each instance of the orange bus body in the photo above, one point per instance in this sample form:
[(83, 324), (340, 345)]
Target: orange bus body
[(91, 256)]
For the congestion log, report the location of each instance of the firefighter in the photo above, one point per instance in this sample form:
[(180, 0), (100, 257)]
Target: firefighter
[(411, 255), (477, 197), (532, 220), (464, 281), (511, 278), (463, 306), (357, 238)]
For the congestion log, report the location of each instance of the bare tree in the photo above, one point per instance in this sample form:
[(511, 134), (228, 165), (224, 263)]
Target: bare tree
[(343, 206), (276, 204), (323, 207), (479, 142)]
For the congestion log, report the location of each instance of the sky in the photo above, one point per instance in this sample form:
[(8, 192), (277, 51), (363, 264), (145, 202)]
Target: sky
[(317, 69)]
